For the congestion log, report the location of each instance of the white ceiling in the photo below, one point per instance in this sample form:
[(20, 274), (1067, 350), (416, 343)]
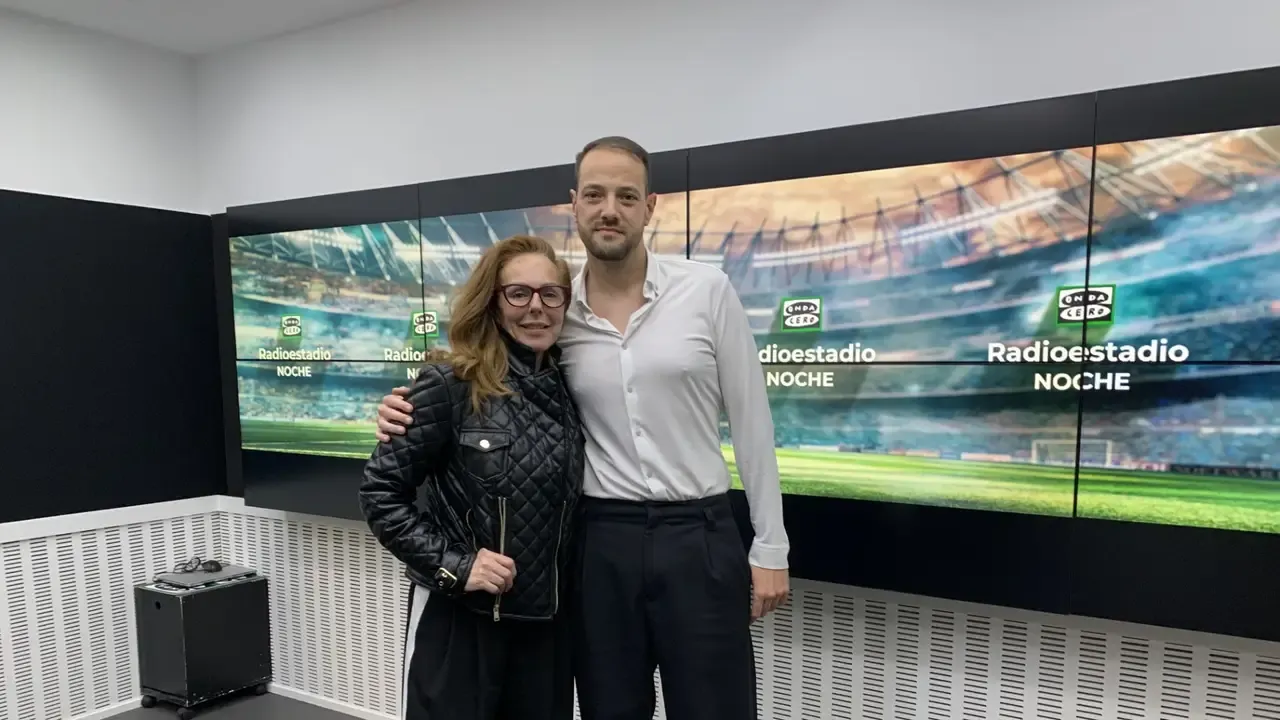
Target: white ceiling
[(195, 27)]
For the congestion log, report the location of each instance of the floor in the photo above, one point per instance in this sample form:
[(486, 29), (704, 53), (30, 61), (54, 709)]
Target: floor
[(252, 707)]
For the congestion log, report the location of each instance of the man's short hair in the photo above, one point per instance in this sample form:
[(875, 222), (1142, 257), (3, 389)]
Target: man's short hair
[(617, 142)]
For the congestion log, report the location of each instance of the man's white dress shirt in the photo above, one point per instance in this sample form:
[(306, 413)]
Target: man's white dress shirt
[(651, 397)]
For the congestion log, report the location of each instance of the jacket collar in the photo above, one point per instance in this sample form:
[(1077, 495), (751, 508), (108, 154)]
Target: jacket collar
[(522, 359)]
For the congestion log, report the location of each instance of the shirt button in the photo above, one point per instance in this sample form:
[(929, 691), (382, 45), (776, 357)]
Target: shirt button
[(637, 432)]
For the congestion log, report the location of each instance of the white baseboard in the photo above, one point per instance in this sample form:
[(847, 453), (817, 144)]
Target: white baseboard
[(283, 691), (98, 519), (112, 710)]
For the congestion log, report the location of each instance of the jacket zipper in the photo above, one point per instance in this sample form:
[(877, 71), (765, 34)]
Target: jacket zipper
[(556, 562), (564, 506), (502, 549)]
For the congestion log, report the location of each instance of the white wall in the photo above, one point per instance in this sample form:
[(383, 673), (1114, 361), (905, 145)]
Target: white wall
[(84, 115), (445, 88)]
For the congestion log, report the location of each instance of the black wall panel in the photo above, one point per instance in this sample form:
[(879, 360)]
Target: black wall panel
[(226, 356), (109, 359)]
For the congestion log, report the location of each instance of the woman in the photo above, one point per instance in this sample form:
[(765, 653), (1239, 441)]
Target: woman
[(499, 445)]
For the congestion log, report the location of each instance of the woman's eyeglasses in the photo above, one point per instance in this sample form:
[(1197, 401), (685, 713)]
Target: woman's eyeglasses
[(553, 296)]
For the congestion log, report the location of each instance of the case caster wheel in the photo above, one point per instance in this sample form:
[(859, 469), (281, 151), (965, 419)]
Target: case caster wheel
[(148, 701), (186, 713), (260, 689)]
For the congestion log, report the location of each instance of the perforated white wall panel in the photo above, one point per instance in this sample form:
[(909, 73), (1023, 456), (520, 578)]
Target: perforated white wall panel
[(67, 641), (831, 653), (837, 655), (338, 608)]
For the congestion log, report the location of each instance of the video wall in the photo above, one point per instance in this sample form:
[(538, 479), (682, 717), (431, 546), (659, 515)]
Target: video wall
[(328, 321), (1089, 332), (1024, 333)]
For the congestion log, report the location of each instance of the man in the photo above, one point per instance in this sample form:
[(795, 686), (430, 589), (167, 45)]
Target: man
[(654, 348)]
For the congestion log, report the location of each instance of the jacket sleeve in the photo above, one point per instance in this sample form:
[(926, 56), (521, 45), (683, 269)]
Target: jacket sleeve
[(392, 476)]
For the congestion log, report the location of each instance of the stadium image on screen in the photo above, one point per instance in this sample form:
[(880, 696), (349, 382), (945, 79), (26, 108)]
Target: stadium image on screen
[(1187, 235), (376, 303), (351, 293), (1187, 231), (1187, 445), (889, 274), (868, 290), (314, 408)]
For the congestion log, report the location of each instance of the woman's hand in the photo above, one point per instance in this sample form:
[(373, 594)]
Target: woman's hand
[(492, 573)]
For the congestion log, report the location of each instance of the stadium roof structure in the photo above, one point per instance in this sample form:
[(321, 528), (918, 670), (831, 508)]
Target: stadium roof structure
[(1149, 177), (1004, 207), (387, 251), (1009, 208), (432, 251)]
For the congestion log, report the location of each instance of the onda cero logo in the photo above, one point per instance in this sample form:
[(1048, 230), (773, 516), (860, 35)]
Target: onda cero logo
[(801, 314), (425, 324), (291, 326), (1095, 304)]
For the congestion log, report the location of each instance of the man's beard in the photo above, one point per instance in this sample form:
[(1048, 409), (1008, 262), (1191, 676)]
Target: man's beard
[(608, 252)]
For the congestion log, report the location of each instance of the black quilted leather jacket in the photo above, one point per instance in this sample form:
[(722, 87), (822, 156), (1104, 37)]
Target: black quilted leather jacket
[(508, 481)]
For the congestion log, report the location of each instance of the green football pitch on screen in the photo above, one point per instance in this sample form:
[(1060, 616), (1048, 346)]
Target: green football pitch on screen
[(1132, 495)]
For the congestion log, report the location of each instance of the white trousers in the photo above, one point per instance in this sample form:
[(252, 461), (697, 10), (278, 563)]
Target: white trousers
[(417, 601)]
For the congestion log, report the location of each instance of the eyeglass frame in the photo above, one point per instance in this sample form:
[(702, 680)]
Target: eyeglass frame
[(568, 294)]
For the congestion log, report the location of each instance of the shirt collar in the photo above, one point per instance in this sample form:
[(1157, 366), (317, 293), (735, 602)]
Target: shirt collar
[(655, 281)]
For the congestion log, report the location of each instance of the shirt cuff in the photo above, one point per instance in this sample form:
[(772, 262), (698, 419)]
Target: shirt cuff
[(768, 557)]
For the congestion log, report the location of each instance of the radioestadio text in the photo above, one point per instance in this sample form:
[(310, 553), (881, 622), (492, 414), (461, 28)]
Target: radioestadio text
[(317, 355), (1156, 351), (851, 354)]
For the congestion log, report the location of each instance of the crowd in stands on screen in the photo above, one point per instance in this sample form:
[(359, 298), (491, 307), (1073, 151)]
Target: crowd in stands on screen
[(1201, 259), (1171, 433)]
